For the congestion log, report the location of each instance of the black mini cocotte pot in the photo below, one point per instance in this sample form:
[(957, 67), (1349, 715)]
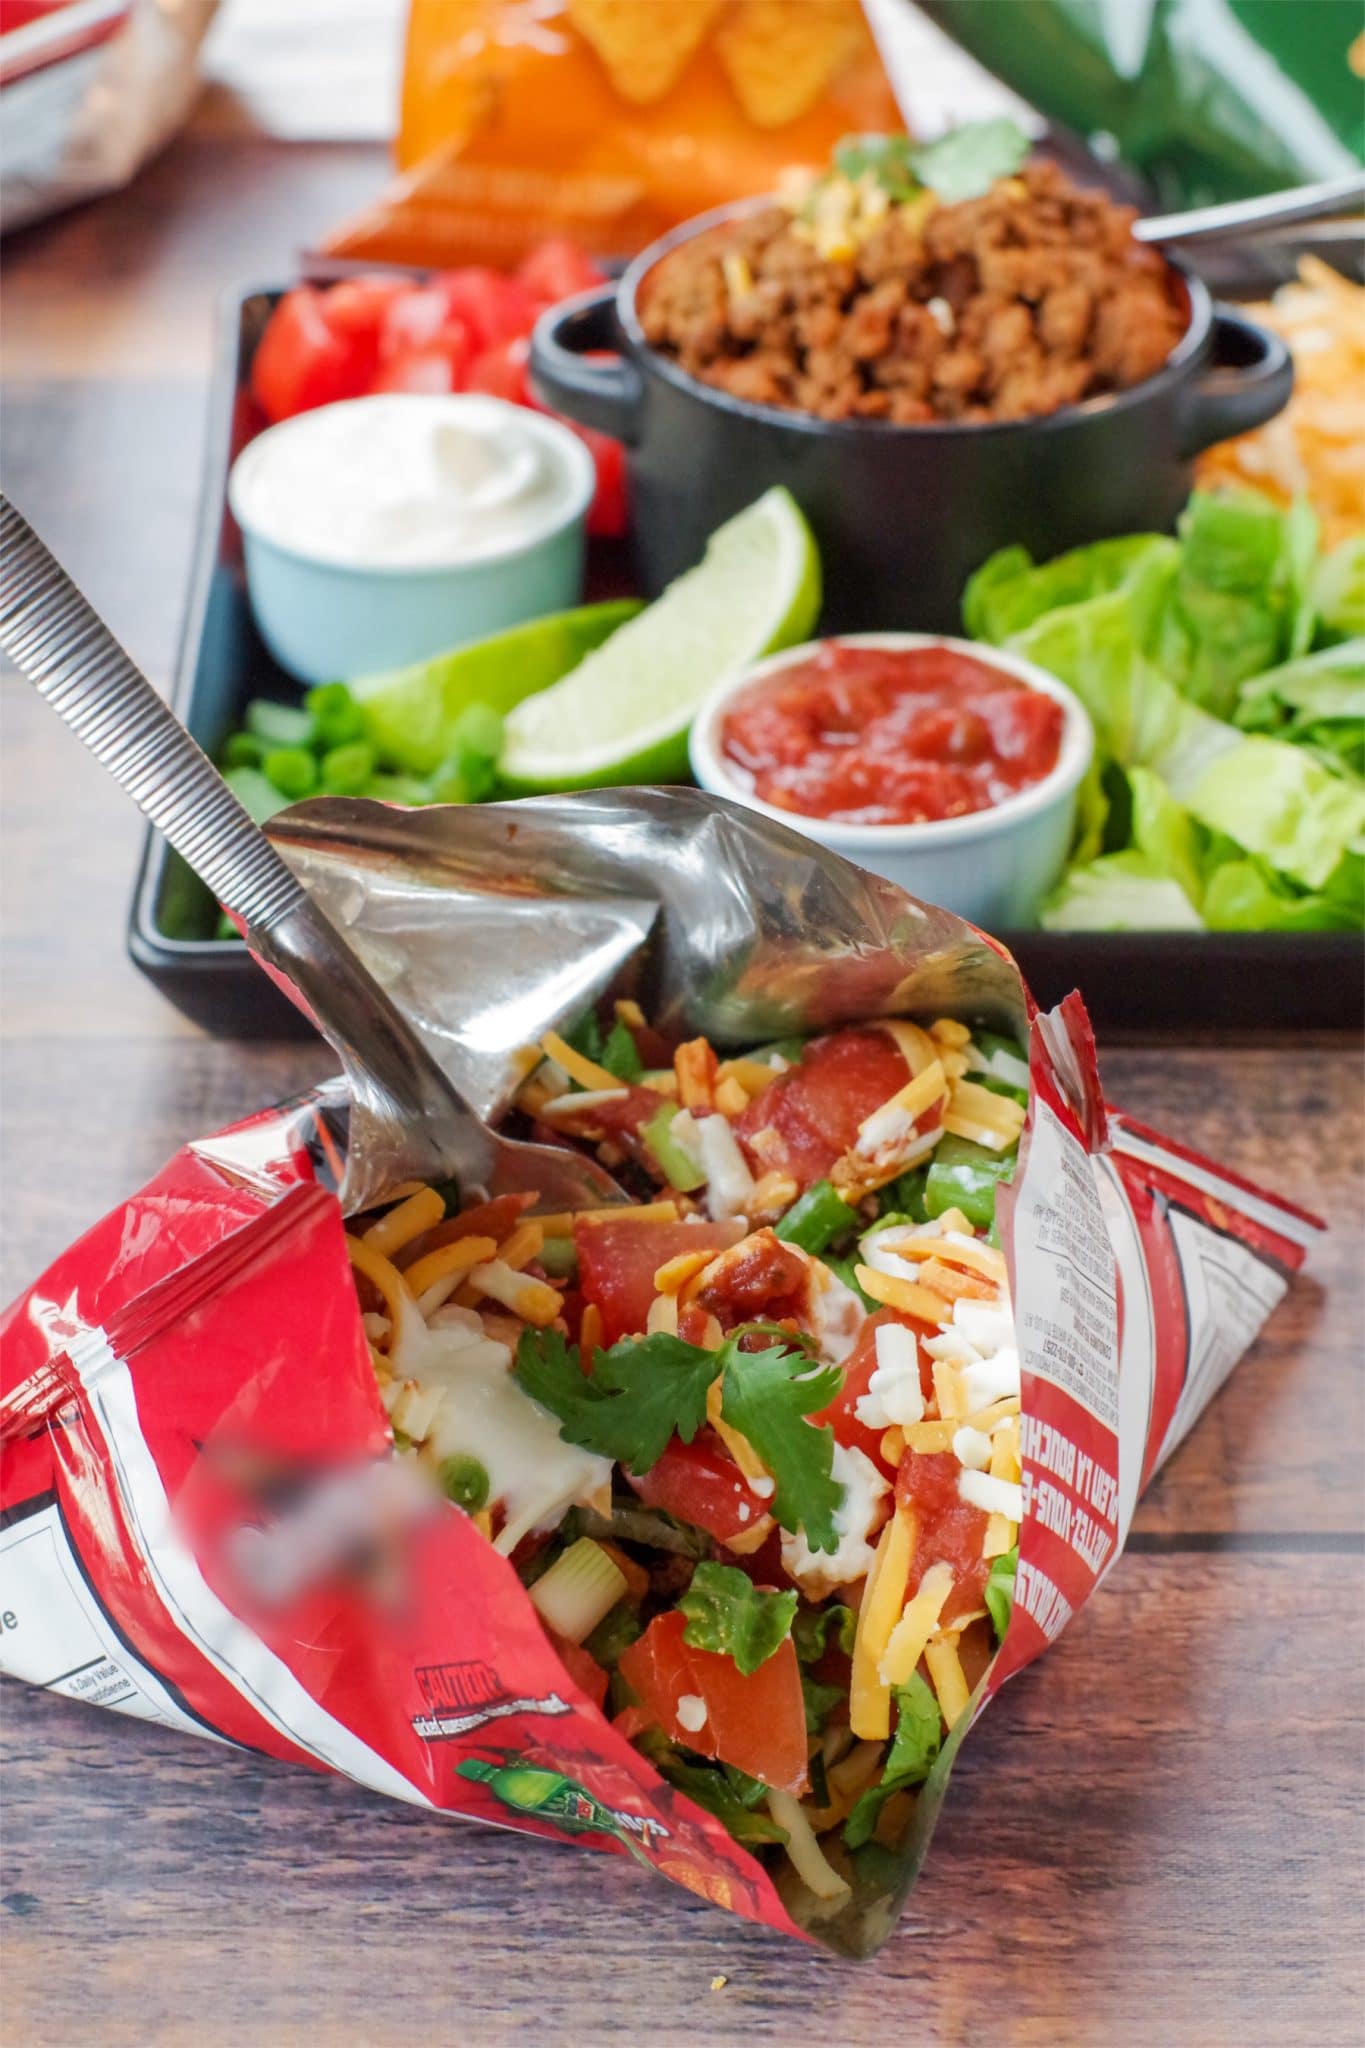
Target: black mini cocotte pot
[(903, 514)]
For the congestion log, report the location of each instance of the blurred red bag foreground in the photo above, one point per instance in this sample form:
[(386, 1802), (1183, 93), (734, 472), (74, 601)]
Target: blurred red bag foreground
[(204, 1522)]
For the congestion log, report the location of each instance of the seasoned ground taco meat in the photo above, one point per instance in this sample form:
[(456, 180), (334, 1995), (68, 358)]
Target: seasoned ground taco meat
[(1029, 298)]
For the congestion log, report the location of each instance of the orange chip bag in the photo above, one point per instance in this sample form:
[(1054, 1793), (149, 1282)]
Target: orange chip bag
[(608, 120)]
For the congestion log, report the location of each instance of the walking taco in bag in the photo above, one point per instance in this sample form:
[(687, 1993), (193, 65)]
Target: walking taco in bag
[(701, 1526)]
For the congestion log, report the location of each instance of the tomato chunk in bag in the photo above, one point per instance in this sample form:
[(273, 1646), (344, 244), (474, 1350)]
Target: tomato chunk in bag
[(704, 1701), (617, 1263), (814, 1109)]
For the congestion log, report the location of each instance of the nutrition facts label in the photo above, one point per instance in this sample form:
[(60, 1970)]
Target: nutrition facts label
[(1067, 1312), (54, 1633)]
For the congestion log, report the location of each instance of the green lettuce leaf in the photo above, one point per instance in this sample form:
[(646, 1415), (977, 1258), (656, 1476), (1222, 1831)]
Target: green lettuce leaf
[(1120, 892), (1318, 702), (999, 1591), (918, 1738), (1241, 597), (731, 1616), (1339, 591), (738, 1801)]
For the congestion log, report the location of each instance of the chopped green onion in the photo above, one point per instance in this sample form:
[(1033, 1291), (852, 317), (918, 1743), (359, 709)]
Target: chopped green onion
[(293, 771), (346, 770), (965, 1176), (337, 718), (465, 1482), (257, 795), (579, 1590), (243, 750), (678, 1167), (399, 789), (816, 1219), (559, 1257), (279, 725)]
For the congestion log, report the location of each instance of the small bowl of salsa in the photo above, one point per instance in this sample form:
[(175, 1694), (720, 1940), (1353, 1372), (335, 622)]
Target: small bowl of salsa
[(949, 771)]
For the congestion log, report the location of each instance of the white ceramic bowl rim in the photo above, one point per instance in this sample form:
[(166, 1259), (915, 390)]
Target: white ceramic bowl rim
[(552, 430), (714, 772)]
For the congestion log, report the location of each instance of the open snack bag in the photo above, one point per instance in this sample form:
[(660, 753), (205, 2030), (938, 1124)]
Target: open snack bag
[(608, 120), (700, 1531)]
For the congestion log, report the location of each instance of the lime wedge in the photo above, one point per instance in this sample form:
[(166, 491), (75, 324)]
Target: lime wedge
[(622, 715), (410, 712)]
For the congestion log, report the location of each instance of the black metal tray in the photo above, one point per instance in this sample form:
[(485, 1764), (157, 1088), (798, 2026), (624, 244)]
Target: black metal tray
[(1157, 981)]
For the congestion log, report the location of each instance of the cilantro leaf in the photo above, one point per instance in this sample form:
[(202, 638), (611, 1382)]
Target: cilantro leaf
[(890, 158), (999, 1591), (966, 161), (637, 1395), (917, 1742), (728, 1614), (810, 1631), (766, 1396)]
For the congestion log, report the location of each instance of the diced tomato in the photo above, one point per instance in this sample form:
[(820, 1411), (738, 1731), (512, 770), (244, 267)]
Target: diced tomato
[(558, 269), (493, 307), (360, 306), (757, 1723), (701, 1483), (950, 1530), (766, 1281), (585, 1671), (501, 371), (816, 1107), (859, 1367), (415, 319), (617, 1263), (439, 367), (303, 361)]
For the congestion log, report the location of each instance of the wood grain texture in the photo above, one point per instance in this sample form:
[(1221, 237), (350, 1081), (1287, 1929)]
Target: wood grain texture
[(1153, 1838), (1130, 1855)]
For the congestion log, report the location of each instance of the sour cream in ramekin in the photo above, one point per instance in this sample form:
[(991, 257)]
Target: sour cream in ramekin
[(380, 531)]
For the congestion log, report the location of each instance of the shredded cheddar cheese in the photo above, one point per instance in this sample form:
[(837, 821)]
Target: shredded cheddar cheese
[(397, 1227), (947, 1678), (448, 1260), (586, 1072), (906, 1295), (912, 1632), (869, 1701)]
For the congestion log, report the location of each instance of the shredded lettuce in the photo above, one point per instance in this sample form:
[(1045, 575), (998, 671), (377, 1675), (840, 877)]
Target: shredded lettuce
[(918, 1737), (1228, 791), (731, 1616)]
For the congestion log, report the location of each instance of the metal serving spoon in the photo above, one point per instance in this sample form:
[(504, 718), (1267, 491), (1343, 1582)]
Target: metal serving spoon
[(1254, 216), (56, 638)]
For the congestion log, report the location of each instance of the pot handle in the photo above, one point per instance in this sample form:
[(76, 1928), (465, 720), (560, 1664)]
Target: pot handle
[(1247, 381), (605, 395)]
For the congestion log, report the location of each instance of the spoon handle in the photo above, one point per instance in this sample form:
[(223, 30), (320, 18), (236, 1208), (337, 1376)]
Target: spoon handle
[(55, 637), (1254, 216)]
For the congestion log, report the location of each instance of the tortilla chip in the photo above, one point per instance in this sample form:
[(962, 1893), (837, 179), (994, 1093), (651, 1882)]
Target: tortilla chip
[(644, 45), (781, 55)]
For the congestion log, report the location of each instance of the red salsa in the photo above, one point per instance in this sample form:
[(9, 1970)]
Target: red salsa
[(890, 735)]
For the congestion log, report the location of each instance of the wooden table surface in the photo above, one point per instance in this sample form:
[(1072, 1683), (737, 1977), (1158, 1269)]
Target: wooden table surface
[(1155, 1835)]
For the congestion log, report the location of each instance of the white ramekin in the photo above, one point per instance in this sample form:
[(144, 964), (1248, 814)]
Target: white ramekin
[(993, 866), (326, 620)]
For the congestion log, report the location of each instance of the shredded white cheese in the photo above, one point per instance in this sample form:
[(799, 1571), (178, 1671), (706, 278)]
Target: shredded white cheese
[(691, 1712), (894, 1395), (972, 1447), (864, 1489), (730, 1185), (993, 1496)]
